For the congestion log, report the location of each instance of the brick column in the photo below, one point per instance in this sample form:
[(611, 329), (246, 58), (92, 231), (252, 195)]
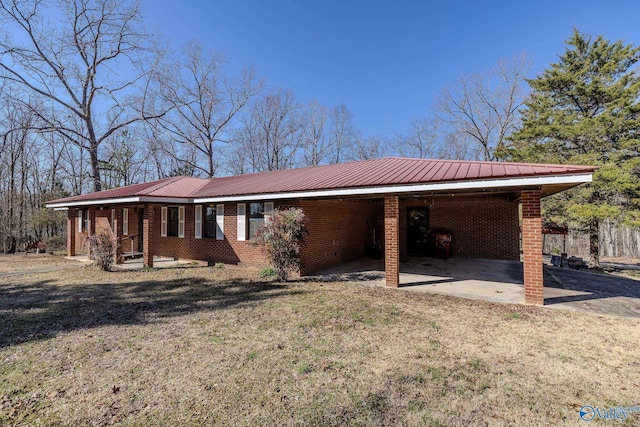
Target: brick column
[(72, 224), (147, 234), (91, 230), (117, 236), (532, 247), (391, 241)]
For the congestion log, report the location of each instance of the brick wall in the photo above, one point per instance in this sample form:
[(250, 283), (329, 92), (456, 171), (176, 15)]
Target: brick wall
[(481, 227), (338, 232), (229, 250), (103, 221)]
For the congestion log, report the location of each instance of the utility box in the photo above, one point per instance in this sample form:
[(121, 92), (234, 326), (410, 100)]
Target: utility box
[(442, 243)]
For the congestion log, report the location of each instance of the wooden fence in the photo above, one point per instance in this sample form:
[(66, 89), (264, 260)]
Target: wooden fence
[(616, 241)]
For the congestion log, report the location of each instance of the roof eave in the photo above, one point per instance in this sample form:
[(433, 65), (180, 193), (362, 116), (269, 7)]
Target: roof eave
[(117, 201), (534, 181)]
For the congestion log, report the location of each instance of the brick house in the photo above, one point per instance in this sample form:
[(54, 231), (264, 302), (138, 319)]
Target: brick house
[(396, 205)]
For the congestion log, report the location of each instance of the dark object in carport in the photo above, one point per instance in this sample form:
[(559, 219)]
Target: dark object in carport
[(574, 263), (442, 242)]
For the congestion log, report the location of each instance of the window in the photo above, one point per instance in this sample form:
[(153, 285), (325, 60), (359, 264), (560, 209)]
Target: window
[(113, 220), (209, 221), (257, 212), (256, 217), (172, 221), (83, 221)]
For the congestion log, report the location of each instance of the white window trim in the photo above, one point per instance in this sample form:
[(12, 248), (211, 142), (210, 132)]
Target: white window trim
[(268, 210), (163, 223), (242, 223), (181, 221), (198, 220), (80, 220), (219, 221), (113, 221), (125, 221)]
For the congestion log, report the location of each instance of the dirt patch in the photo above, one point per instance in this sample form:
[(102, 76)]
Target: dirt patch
[(220, 346)]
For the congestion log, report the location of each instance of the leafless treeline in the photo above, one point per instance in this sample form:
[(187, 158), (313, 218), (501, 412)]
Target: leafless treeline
[(89, 100)]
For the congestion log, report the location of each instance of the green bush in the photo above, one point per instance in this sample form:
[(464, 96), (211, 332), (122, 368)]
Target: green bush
[(267, 272), (281, 236)]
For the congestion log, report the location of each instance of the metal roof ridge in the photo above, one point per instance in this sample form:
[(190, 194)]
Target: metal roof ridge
[(163, 183)]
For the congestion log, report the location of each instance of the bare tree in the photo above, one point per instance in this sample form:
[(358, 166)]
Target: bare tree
[(484, 107), (17, 159), (270, 138), (86, 60), (422, 140), (372, 147), (203, 104), (315, 143), (342, 133)]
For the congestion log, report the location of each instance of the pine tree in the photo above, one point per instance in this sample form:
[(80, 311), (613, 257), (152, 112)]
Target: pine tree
[(585, 109)]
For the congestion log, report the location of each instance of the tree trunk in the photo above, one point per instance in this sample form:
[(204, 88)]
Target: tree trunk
[(95, 168), (594, 249)]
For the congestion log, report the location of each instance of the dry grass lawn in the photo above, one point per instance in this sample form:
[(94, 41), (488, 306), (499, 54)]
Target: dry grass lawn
[(24, 262), (196, 346)]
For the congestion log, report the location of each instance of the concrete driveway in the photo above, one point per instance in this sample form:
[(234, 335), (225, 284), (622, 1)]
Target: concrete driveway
[(501, 281)]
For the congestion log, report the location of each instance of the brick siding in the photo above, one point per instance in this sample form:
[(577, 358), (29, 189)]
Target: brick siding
[(532, 247), (338, 230), (392, 240), (481, 227)]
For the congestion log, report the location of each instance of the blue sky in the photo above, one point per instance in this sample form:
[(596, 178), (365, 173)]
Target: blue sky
[(386, 61)]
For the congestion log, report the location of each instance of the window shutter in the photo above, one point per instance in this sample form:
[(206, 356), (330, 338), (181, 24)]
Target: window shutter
[(268, 210), (219, 222), (198, 221), (242, 228), (163, 224), (113, 220), (80, 221), (125, 221), (180, 221)]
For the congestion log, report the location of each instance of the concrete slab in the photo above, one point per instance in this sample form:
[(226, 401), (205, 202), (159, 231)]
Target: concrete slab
[(137, 264), (158, 262), (502, 281)]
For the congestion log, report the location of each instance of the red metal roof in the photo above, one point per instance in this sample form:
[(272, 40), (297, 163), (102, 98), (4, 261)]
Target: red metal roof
[(179, 186), (367, 173), (377, 172)]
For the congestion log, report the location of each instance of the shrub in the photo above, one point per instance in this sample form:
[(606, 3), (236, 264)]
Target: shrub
[(102, 250), (281, 236), (267, 272), (54, 243)]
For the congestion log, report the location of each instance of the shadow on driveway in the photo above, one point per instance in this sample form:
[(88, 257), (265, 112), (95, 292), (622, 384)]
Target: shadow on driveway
[(595, 292)]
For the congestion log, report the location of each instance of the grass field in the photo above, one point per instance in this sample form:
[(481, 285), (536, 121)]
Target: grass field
[(196, 346)]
